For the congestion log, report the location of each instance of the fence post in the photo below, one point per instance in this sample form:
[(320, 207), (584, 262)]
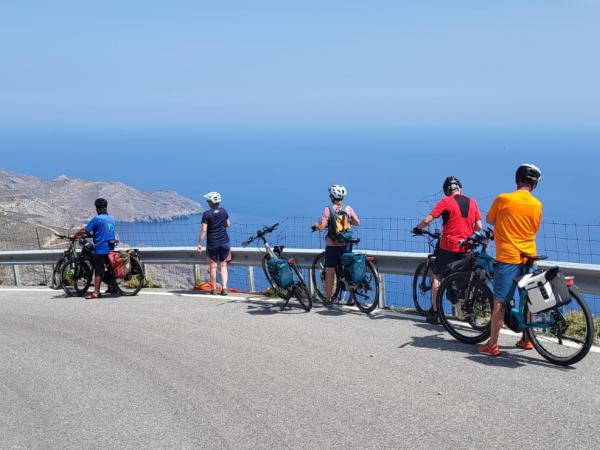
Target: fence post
[(251, 287), (382, 299), (311, 285), (197, 275), (17, 275)]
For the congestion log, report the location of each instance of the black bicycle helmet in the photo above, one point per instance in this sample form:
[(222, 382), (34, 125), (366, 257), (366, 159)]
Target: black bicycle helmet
[(101, 203), (451, 185), (529, 174)]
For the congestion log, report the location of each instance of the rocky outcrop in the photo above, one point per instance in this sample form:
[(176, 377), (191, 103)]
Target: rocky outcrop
[(68, 202)]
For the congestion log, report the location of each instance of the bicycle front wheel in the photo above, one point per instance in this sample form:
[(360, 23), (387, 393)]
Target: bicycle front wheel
[(301, 290), (366, 293), (562, 335), (421, 288), (465, 307), (76, 277), (134, 282)]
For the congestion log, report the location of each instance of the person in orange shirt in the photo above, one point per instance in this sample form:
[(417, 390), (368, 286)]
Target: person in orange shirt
[(516, 217)]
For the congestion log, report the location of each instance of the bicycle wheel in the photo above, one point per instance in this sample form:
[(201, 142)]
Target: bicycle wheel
[(465, 308), (132, 284), (301, 291), (570, 336), (56, 274), (267, 274), (318, 280), (366, 293), (76, 277), (421, 288)]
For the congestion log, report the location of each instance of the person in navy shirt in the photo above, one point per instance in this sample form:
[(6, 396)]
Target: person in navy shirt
[(102, 228), (215, 222)]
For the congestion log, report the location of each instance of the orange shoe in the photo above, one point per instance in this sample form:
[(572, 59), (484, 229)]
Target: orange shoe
[(485, 349), (525, 345)]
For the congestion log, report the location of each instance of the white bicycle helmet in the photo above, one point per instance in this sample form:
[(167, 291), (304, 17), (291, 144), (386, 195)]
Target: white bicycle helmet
[(213, 197), (338, 192)]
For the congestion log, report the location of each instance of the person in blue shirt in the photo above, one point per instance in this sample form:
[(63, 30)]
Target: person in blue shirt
[(102, 228), (215, 222)]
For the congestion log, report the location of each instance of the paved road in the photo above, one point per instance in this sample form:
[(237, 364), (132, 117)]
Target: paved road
[(177, 371)]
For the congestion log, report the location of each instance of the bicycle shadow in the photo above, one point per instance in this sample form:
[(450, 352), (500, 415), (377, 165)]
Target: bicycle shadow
[(508, 359), (269, 309)]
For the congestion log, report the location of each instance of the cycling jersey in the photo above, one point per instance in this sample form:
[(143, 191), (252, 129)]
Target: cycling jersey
[(516, 217), (103, 229), (459, 215)]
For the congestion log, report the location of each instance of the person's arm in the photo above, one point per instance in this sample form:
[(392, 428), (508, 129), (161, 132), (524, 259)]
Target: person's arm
[(479, 225), (434, 214), (426, 221), (354, 219), (491, 215), (322, 224), (202, 235), (228, 223), (478, 218)]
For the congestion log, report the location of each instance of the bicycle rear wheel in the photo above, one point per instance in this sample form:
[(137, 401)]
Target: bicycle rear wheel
[(366, 293), (421, 288), (570, 337), (132, 284), (318, 279), (465, 307), (76, 277), (56, 274), (301, 290)]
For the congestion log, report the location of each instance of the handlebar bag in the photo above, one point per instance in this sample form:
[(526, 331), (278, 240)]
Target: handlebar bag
[(355, 267), (545, 290), (280, 271), (121, 263)]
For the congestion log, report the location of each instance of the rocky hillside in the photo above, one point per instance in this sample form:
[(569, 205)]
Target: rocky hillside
[(68, 202)]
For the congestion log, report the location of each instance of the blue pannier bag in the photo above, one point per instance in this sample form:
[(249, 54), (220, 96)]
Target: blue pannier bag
[(355, 267), (280, 270)]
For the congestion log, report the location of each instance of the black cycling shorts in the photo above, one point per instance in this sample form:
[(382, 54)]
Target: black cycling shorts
[(100, 263), (443, 258)]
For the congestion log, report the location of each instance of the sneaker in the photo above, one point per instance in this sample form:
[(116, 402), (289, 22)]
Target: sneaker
[(224, 291), (485, 349), (433, 318), (525, 345)]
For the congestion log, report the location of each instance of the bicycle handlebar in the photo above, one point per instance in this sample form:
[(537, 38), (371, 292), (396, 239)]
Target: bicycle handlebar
[(260, 234), (477, 238), (435, 235)]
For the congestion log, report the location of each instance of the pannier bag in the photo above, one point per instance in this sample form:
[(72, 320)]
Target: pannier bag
[(121, 264), (280, 271), (340, 229), (355, 267), (545, 290), (465, 264)]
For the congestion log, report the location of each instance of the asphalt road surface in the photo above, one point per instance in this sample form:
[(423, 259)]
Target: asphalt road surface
[(191, 371)]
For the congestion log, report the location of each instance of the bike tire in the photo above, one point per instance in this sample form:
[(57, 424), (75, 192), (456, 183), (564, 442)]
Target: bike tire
[(587, 341), (422, 292), (55, 280), (301, 290), (267, 274), (359, 294), (468, 331), (135, 284), (76, 277), (317, 274)]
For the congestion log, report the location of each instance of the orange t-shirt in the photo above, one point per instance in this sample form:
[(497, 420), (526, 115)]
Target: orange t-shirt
[(516, 217)]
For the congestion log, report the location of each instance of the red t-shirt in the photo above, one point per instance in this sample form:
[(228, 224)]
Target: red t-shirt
[(459, 214)]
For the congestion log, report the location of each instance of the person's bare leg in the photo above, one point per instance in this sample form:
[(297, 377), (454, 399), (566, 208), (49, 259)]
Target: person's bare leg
[(435, 286), (224, 274), (496, 322), (97, 284), (213, 275), (329, 279)]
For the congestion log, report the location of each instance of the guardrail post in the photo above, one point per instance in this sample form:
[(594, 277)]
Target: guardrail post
[(382, 299), (197, 274), (17, 275), (311, 285), (251, 287)]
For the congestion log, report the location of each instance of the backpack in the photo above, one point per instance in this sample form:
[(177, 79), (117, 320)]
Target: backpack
[(339, 226)]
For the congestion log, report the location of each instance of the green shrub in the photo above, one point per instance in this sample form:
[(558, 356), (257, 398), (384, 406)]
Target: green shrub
[(148, 283)]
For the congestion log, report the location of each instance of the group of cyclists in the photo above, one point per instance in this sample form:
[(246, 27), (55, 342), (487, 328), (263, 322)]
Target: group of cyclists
[(516, 217)]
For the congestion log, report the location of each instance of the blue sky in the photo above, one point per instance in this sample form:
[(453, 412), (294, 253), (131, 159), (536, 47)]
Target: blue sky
[(299, 63)]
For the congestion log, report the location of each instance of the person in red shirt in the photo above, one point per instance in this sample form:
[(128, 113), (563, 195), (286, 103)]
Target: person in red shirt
[(461, 218)]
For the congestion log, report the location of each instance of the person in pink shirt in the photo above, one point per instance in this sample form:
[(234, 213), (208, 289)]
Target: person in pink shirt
[(334, 248)]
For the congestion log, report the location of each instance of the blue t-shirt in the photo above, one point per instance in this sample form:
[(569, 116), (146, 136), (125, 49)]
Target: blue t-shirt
[(103, 228), (216, 233)]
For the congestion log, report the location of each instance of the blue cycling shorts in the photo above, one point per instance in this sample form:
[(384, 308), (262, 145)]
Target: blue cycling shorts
[(504, 285)]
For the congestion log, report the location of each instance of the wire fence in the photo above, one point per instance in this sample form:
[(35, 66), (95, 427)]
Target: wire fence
[(572, 242)]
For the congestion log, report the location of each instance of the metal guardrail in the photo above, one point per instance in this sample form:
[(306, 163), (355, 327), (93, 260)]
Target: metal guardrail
[(394, 263)]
